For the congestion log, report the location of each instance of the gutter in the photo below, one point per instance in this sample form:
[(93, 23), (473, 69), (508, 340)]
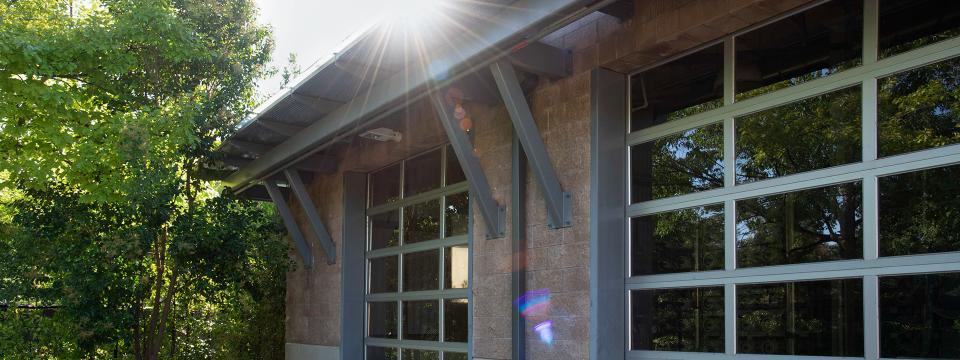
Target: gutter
[(524, 22)]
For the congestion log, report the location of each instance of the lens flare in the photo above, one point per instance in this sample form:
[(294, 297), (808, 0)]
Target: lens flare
[(534, 302), (545, 330)]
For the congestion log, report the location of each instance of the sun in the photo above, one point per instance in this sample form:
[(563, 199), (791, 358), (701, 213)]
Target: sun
[(410, 12)]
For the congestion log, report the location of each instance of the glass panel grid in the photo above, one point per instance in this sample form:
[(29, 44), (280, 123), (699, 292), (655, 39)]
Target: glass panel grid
[(874, 117), (418, 260)]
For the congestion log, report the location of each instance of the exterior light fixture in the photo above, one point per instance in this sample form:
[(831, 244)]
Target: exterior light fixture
[(382, 134)]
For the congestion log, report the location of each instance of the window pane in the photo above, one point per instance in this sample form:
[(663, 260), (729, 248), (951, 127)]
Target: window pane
[(412, 354), (421, 222), (456, 214), (678, 319), (815, 43), (385, 230), (379, 353), (422, 174), (801, 318), (806, 226), (678, 241), (684, 163), (454, 356), (383, 274), (920, 316), (680, 88), (456, 263), (421, 270), (909, 24), (382, 320), (385, 185), (920, 212), (454, 172), (421, 320), (919, 109), (455, 320), (810, 134)]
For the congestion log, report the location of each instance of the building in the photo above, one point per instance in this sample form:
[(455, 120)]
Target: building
[(648, 179)]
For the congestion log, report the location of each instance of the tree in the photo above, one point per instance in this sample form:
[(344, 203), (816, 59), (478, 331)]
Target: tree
[(108, 113)]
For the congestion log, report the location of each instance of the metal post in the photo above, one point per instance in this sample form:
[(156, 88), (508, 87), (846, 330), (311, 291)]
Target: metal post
[(558, 201), (608, 226), (518, 283), (302, 248)]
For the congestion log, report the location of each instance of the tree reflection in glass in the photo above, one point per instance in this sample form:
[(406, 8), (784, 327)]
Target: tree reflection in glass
[(421, 222), (413, 354), (456, 214), (678, 241), (806, 226), (920, 316), (801, 318), (678, 319), (919, 109), (920, 212), (382, 320), (380, 353), (678, 164), (809, 134), (421, 320)]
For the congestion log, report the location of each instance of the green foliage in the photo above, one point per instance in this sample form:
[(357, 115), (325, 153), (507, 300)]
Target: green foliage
[(108, 112)]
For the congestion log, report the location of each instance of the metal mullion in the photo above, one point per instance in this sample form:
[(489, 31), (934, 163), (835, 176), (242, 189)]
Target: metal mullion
[(729, 235), (871, 15), (898, 265), (418, 344), (852, 77), (670, 355), (419, 198), (920, 160), (729, 80), (419, 246), (871, 317), (730, 318), (419, 295)]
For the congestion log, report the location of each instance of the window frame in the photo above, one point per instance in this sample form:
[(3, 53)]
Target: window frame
[(439, 244), (867, 171)]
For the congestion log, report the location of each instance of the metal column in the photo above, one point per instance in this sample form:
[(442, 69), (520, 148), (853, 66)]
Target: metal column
[(518, 281)]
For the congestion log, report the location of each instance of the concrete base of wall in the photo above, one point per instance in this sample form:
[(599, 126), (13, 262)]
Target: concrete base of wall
[(311, 352)]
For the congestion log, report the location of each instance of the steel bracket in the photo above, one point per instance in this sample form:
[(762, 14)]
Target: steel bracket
[(291, 224), (310, 210), (493, 213), (558, 202)]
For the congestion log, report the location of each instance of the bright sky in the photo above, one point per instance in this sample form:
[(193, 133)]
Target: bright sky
[(313, 29)]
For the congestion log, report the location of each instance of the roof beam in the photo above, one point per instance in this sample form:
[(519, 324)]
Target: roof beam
[(316, 163), (290, 222), (250, 147), (493, 213), (524, 19), (542, 59), (280, 127), (310, 210), (558, 201), (321, 105)]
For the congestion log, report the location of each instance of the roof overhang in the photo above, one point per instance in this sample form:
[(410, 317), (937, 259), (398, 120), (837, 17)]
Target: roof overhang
[(514, 27)]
